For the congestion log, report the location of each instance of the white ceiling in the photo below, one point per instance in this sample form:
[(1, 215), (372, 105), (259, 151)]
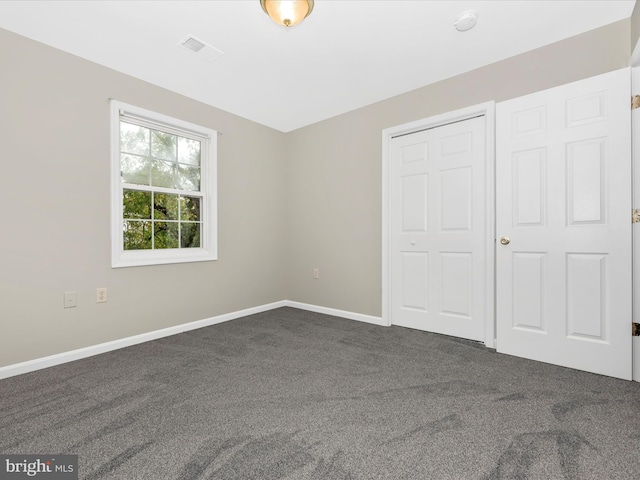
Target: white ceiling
[(347, 54)]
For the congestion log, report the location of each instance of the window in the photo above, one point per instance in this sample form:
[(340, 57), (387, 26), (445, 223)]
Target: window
[(163, 176)]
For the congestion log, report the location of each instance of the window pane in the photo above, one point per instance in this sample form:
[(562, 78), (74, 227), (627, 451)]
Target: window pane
[(165, 235), (162, 174), (134, 139), (190, 208), (136, 204), (134, 169), (137, 235), (188, 178), (189, 151), (163, 145), (166, 188), (190, 235), (165, 206)]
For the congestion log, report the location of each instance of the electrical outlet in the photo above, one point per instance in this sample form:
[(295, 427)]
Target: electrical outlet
[(70, 299), (101, 295), (316, 273)]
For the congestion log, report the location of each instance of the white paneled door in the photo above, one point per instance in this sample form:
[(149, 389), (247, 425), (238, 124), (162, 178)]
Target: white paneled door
[(438, 225), (563, 225)]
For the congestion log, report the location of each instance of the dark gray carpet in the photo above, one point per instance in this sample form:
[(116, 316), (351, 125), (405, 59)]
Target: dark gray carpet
[(297, 395)]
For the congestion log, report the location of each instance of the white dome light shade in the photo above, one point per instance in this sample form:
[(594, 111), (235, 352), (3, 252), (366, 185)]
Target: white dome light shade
[(287, 12)]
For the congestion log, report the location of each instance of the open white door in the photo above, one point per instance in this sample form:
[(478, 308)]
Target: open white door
[(563, 222)]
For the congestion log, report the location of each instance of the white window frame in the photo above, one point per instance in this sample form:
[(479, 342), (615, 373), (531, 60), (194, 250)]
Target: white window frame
[(208, 250)]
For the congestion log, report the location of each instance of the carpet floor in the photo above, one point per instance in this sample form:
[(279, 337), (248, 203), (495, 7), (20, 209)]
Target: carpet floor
[(290, 394)]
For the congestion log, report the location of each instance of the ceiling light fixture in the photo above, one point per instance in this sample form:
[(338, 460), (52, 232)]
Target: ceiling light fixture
[(287, 12)]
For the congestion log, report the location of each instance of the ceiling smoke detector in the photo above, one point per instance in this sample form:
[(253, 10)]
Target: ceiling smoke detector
[(466, 20)]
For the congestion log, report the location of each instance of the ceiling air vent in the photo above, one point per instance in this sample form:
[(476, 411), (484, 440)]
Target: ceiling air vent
[(193, 44), (200, 48)]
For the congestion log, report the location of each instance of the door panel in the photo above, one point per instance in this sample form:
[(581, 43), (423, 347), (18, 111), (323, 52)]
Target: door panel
[(586, 317), (456, 284), (455, 198), (438, 229), (563, 196), (586, 189), (529, 187), (415, 284), (529, 277), (414, 203)]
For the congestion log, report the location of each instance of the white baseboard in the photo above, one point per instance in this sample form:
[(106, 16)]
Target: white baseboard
[(60, 358), (337, 313)]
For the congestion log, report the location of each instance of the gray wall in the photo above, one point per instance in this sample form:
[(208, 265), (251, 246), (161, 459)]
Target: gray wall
[(287, 203), (55, 233), (334, 166)]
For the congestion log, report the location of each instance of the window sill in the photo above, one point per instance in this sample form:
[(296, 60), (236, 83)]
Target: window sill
[(143, 258)]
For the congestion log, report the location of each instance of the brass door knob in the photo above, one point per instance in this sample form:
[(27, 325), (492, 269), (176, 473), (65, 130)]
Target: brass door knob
[(505, 240)]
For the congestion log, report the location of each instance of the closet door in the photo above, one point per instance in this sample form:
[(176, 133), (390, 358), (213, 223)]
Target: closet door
[(438, 223)]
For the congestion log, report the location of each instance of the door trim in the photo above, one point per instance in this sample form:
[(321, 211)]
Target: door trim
[(635, 195), (488, 110)]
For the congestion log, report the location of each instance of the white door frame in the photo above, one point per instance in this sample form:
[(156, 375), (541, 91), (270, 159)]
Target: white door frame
[(488, 110), (634, 63)]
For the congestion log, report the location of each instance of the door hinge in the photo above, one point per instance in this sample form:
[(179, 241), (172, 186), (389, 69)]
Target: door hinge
[(635, 102), (635, 215), (635, 329)]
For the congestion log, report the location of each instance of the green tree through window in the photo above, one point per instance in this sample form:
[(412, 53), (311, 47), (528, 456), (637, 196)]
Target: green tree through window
[(163, 185)]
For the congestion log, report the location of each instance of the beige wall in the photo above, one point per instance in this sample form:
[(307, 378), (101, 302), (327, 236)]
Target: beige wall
[(334, 166), (287, 203), (55, 233), (635, 27)]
